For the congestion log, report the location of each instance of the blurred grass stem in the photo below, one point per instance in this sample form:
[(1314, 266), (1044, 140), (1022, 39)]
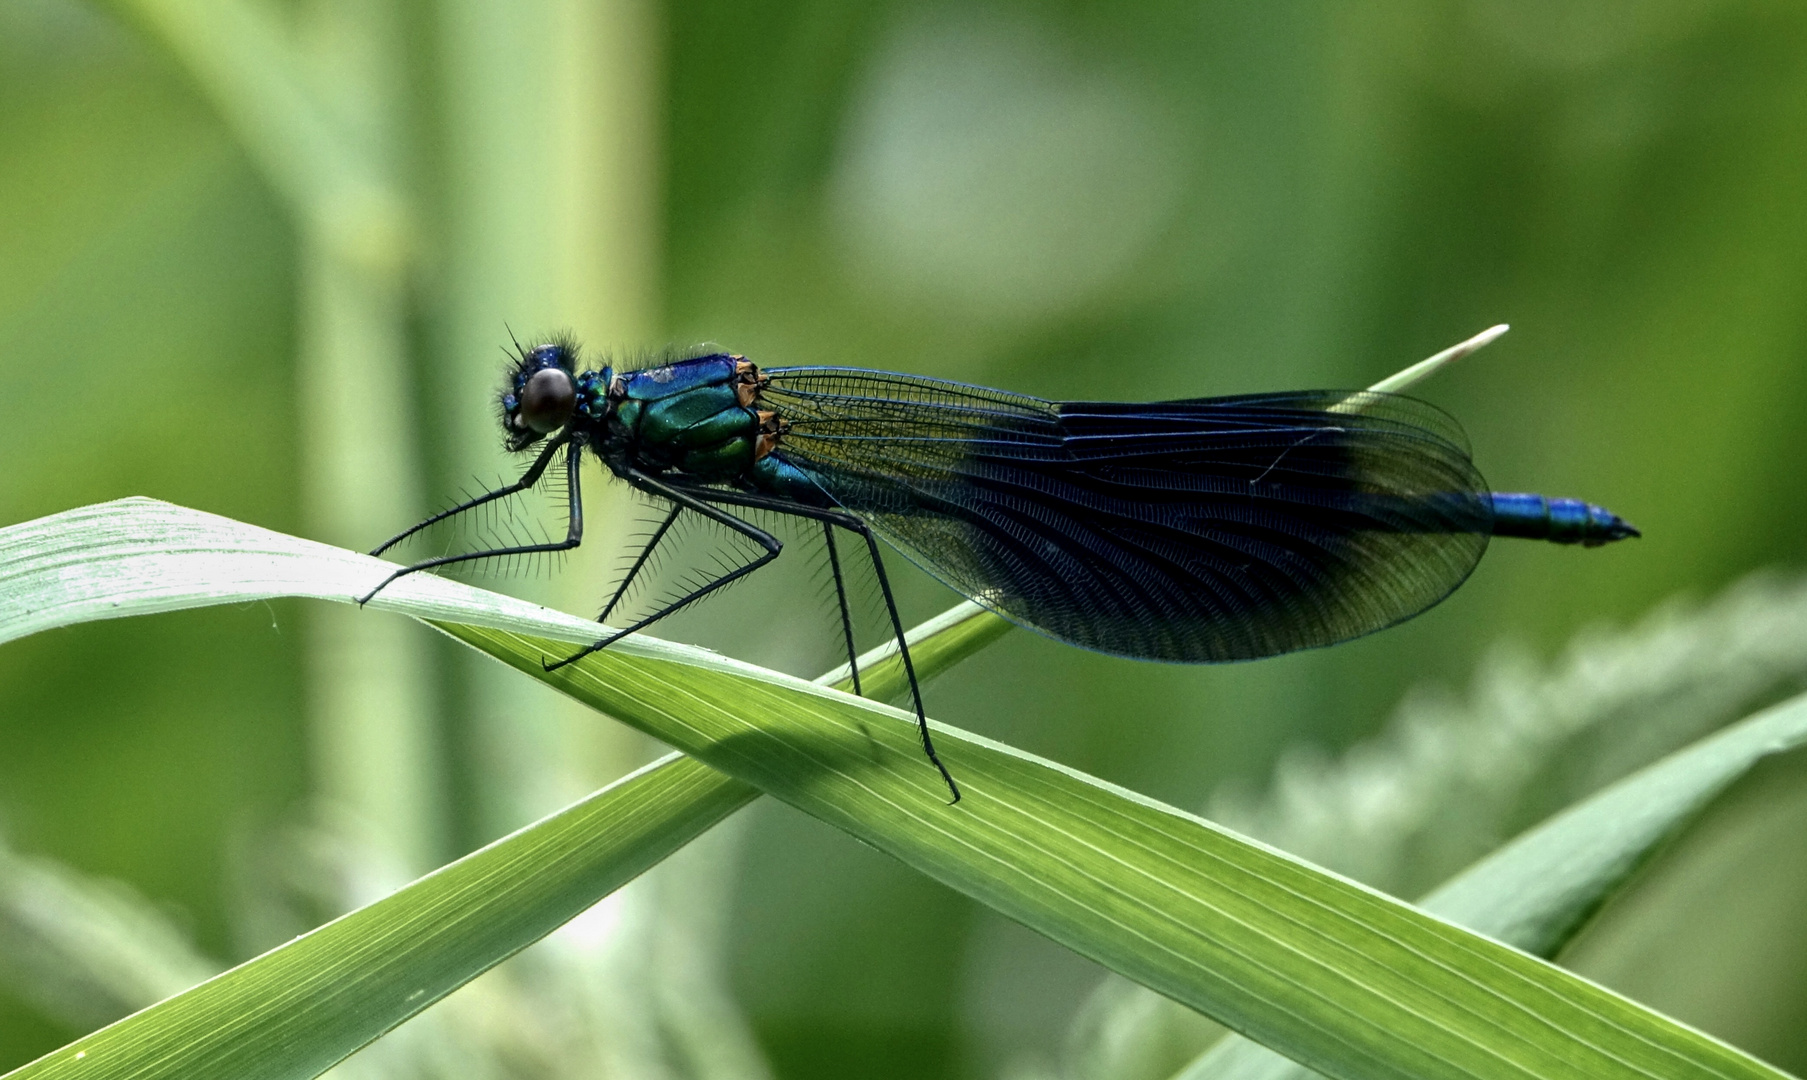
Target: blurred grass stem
[(316, 104), (551, 226)]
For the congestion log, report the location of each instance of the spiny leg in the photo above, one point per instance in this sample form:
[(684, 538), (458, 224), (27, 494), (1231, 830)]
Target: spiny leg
[(853, 524), (574, 530), (527, 480), (840, 592), (645, 554), (687, 501)]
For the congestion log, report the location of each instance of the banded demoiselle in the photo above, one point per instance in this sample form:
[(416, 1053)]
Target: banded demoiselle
[(1199, 531)]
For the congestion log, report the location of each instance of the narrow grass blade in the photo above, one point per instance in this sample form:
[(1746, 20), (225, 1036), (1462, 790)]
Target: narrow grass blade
[(935, 646), (86, 951), (296, 1011), (1399, 382), (1541, 889), (1424, 369)]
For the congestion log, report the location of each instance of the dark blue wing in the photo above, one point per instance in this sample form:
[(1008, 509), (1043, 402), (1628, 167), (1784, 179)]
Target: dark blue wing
[(1208, 530)]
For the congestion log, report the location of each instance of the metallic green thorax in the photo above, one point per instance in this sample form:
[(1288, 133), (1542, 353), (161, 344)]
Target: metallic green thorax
[(700, 418)]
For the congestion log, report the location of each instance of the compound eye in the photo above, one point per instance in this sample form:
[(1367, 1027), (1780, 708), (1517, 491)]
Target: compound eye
[(547, 400)]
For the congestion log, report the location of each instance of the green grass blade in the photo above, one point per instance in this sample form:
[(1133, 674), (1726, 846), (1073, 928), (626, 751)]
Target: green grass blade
[(1400, 382), (1540, 890), (1331, 973), (299, 1009), (935, 646)]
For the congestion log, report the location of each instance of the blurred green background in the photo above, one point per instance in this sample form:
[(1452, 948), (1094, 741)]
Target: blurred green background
[(258, 258)]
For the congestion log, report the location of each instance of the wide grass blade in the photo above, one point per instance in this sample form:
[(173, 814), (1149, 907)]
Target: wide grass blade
[(1327, 971), (1331, 973)]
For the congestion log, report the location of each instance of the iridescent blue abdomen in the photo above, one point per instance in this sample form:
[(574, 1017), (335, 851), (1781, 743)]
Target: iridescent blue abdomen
[(1560, 521)]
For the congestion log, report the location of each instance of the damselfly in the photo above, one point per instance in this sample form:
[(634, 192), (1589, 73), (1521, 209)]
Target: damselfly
[(1196, 531)]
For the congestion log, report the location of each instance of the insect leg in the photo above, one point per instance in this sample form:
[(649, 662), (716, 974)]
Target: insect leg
[(645, 554), (574, 530), (686, 500), (853, 524), (903, 650), (840, 592), (527, 480)]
